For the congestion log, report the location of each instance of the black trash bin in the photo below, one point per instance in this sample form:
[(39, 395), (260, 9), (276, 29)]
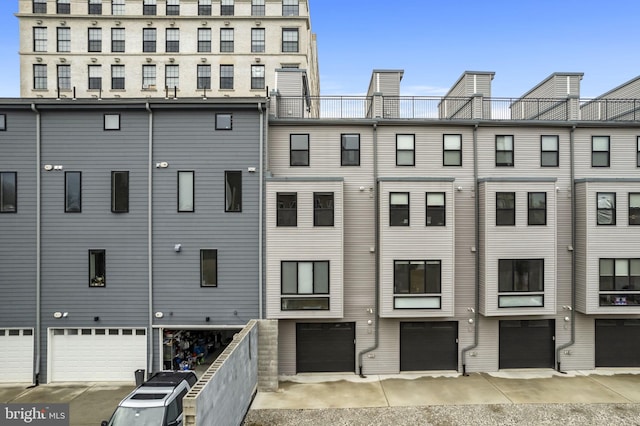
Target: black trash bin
[(139, 377)]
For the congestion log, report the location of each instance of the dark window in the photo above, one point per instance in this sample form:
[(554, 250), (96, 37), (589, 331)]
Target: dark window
[(600, 151), (95, 40), (64, 77), (95, 7), (549, 151), (638, 152), (173, 40), (149, 7), (504, 150), (172, 76), (39, 6), (117, 39), (452, 150), (226, 40), (204, 77), (436, 209), (8, 192), (40, 77), (405, 150), (119, 192), (537, 208), (204, 7), (204, 39), (305, 277), (112, 122), (350, 149), (505, 208), (606, 208), (97, 268), (173, 7), (299, 150), (619, 274), (63, 7), (634, 208), (257, 7), (95, 77), (148, 39), (3, 122), (39, 39), (290, 7), (287, 209), (208, 268), (257, 40), (226, 7), (257, 77), (117, 77), (323, 209), (399, 209), (186, 181), (521, 275), (64, 39), (224, 122), (72, 192), (416, 276), (289, 39), (226, 77), (233, 191)]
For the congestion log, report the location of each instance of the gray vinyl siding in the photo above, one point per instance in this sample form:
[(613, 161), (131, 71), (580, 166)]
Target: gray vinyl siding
[(187, 140), (609, 104), (472, 83), (304, 242), (623, 153), (386, 82), (18, 230), (557, 85), (582, 241)]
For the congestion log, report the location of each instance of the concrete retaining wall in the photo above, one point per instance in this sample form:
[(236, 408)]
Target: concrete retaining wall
[(268, 355)]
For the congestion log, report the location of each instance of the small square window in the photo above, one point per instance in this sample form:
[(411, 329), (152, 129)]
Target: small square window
[(223, 122), (3, 122), (208, 268), (299, 150), (112, 122)]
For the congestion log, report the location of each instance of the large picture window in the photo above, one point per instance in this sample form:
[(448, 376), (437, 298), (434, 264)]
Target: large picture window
[(8, 192), (417, 276), (119, 192), (520, 283), (97, 268), (619, 282), (208, 268), (301, 280)]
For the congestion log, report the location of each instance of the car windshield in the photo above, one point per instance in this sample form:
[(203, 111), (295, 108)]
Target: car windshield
[(137, 416)]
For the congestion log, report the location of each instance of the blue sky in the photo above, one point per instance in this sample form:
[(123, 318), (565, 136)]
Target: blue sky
[(435, 41)]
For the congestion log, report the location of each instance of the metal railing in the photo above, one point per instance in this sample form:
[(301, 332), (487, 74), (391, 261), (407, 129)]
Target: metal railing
[(610, 110)]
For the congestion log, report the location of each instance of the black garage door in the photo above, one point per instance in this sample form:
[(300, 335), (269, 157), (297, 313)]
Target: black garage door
[(527, 344), (618, 343), (428, 346), (326, 347)]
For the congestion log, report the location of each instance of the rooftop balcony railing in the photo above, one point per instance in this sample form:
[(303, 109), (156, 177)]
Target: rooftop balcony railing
[(456, 108)]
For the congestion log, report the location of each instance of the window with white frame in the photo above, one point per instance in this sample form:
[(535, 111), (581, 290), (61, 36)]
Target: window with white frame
[(148, 77), (405, 150), (504, 150), (287, 209), (299, 150), (204, 40), (172, 76), (301, 281), (290, 7), (208, 268), (95, 40), (619, 282), (95, 77), (204, 7), (436, 209), (117, 7), (64, 77), (186, 187), (257, 77), (173, 7), (257, 40), (97, 268), (39, 39), (520, 283), (226, 40), (505, 208), (226, 77), (634, 208), (537, 208), (399, 209), (117, 39), (204, 77), (63, 39), (257, 8), (452, 150), (63, 7), (8, 192), (289, 40), (226, 7), (117, 77), (72, 192), (39, 77), (606, 208), (95, 7), (549, 151), (149, 7), (173, 40), (323, 209), (149, 39), (600, 146)]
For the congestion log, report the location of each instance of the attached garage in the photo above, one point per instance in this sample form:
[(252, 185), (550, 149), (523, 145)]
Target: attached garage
[(527, 343), (618, 343), (96, 354), (428, 346), (16, 355), (325, 347)]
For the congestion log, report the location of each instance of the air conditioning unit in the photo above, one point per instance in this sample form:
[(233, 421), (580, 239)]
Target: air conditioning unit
[(149, 86)]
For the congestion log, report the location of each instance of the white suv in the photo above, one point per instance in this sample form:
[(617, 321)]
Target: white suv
[(157, 402)]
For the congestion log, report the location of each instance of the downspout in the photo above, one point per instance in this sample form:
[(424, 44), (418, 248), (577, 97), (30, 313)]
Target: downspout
[(573, 252), (36, 375), (260, 212), (376, 341), (476, 314), (150, 239)]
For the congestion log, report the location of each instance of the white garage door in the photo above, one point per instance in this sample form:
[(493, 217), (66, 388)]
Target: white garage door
[(96, 354), (16, 355)]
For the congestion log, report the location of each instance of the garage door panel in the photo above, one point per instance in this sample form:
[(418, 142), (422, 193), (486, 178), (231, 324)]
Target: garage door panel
[(103, 355), (16, 355), (617, 343), (428, 346), (325, 347), (527, 344)]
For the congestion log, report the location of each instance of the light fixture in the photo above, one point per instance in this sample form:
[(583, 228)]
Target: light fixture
[(57, 314), (159, 314), (65, 314), (48, 167), (251, 169), (162, 165), (369, 322), (459, 188), (567, 319), (177, 248), (470, 320)]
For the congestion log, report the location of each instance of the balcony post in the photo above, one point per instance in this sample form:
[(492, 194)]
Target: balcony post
[(378, 105), (573, 107), (478, 110)]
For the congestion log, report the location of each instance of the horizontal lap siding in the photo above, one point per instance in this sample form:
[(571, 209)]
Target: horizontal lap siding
[(187, 140), (18, 230)]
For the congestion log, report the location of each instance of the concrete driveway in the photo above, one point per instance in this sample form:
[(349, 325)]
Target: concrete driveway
[(89, 403)]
